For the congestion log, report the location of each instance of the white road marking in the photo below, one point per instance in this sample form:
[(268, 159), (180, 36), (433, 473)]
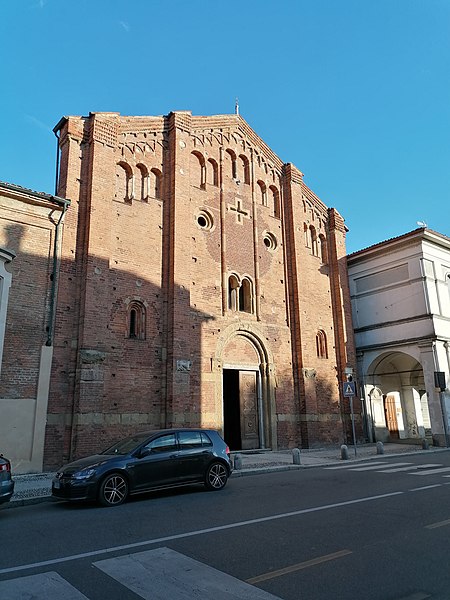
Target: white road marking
[(416, 596), (410, 468), (426, 487), (353, 465), (372, 468), (432, 471), (163, 573), (440, 524), (188, 534), (45, 586)]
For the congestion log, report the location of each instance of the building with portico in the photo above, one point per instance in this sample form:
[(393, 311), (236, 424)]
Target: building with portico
[(400, 295)]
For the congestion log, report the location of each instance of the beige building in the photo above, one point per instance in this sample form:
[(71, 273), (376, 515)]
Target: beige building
[(30, 224)]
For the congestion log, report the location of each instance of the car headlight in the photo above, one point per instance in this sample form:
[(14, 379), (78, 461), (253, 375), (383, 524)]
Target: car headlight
[(85, 474)]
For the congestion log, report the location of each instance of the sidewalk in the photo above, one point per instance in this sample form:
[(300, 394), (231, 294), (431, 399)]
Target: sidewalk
[(34, 488)]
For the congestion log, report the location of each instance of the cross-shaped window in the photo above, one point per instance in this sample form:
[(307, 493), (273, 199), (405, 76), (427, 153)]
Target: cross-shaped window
[(240, 212)]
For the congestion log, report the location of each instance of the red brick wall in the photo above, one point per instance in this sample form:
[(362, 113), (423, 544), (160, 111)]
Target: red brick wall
[(28, 230), (157, 252)]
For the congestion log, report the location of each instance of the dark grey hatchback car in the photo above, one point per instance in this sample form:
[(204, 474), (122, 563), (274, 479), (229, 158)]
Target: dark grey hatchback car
[(146, 461), (6, 482)]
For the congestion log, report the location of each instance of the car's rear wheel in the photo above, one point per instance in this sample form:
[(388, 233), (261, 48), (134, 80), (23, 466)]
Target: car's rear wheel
[(216, 476), (113, 490)]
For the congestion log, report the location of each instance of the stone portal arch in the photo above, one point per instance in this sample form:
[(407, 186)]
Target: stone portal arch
[(398, 405), (247, 390)]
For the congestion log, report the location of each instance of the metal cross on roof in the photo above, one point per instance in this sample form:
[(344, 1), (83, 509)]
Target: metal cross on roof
[(240, 212)]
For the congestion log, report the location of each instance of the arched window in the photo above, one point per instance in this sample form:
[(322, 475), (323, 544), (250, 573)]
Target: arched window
[(212, 172), (143, 182), (323, 249), (246, 296), (321, 344), (136, 321), (233, 290), (306, 235), (124, 182), (198, 170), (155, 183), (232, 159), (262, 192), (275, 201), (244, 174), (314, 245), (240, 294)]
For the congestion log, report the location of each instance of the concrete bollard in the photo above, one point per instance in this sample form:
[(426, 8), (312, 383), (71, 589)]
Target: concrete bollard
[(425, 444), (296, 456), (238, 462), (344, 452), (380, 448)]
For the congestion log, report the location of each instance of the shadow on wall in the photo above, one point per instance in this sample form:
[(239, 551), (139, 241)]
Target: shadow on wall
[(324, 417), (122, 362)]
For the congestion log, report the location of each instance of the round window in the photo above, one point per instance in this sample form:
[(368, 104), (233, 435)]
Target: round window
[(270, 241), (205, 220)]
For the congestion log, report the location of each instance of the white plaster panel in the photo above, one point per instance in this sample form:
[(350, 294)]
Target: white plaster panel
[(16, 429)]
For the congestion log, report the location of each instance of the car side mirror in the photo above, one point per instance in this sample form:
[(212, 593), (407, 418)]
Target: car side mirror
[(144, 452)]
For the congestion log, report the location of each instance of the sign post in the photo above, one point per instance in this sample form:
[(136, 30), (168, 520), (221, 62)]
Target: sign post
[(349, 391)]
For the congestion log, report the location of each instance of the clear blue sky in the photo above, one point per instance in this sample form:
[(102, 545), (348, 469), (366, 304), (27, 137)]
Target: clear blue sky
[(355, 93)]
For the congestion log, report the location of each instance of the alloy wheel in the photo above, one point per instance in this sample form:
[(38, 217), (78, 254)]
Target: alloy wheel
[(114, 490), (216, 476)]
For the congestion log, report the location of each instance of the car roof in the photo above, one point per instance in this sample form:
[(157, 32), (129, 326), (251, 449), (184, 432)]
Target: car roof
[(170, 430)]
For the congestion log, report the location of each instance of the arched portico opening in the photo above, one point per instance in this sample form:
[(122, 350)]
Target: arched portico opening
[(247, 390), (397, 400)]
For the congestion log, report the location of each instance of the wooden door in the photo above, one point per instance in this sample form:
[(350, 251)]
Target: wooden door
[(248, 399), (391, 416)]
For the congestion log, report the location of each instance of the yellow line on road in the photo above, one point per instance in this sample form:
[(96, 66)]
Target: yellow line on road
[(299, 566), (440, 524)]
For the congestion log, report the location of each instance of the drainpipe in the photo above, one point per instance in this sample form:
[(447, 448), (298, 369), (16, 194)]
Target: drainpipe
[(55, 278), (55, 270)]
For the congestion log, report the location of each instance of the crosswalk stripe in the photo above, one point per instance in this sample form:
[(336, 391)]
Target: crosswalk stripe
[(45, 586), (411, 467), (163, 573), (373, 468), (352, 465), (431, 471)]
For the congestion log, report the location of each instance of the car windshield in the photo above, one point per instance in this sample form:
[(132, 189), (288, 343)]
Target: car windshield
[(127, 445)]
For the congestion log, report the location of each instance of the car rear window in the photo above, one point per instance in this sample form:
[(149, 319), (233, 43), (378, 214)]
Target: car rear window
[(205, 439), (193, 439), (189, 439)]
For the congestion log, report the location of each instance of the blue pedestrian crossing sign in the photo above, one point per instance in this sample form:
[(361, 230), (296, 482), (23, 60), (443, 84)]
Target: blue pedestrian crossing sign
[(349, 388)]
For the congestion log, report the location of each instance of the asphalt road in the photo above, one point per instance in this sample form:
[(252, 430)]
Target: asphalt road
[(314, 534)]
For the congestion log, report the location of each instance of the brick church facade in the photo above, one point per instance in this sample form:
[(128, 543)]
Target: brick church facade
[(201, 283)]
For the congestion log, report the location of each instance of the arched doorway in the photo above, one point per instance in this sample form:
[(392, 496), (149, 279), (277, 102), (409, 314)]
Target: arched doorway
[(396, 392), (247, 390), (390, 414), (241, 408)]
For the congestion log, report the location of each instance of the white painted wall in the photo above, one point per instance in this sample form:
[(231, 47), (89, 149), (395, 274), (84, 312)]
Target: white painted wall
[(400, 291)]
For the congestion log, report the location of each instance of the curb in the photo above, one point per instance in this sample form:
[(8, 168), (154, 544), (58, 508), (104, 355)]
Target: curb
[(250, 471)]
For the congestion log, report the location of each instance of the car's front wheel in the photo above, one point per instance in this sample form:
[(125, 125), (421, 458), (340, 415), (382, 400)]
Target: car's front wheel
[(216, 476), (113, 490)]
